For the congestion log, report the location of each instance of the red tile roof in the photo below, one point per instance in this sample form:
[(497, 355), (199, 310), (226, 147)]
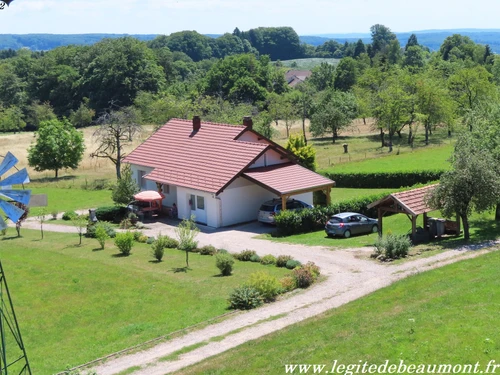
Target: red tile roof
[(287, 178), (206, 160), (411, 201)]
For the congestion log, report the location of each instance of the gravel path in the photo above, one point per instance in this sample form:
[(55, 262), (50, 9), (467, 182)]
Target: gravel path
[(350, 275)]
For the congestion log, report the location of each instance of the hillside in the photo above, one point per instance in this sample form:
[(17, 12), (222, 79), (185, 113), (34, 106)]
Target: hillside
[(429, 38)]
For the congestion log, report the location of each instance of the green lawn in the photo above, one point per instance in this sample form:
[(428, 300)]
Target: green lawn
[(62, 199), (482, 227), (75, 304), (434, 158), (445, 316)]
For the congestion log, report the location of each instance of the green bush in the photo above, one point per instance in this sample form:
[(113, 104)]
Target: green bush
[(255, 258), (137, 234), (224, 263), (207, 250), (393, 246), (101, 234), (114, 214), (268, 259), (288, 283), (125, 223), (288, 222), (150, 240), (303, 277), (245, 255), (158, 247), (222, 251), (171, 243), (91, 229), (292, 264), (69, 215), (245, 298), (381, 180), (267, 285), (313, 269), (124, 242), (143, 239), (281, 260)]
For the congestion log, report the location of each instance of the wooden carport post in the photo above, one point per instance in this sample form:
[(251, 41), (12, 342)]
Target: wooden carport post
[(328, 197), (380, 217), (283, 202)]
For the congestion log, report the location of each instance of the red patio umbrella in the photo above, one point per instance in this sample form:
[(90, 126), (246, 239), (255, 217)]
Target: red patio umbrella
[(149, 196)]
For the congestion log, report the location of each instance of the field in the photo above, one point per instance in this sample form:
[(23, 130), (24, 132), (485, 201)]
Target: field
[(76, 303), (444, 316), (308, 64)]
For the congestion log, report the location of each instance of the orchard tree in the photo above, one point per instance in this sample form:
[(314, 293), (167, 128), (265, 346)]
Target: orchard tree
[(334, 111), (58, 145), (471, 185), (346, 74), (117, 130)]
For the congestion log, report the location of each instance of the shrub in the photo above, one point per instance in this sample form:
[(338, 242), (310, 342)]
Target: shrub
[(125, 223), (207, 250), (124, 242), (224, 263), (69, 215), (91, 229), (150, 240), (137, 234), (288, 283), (114, 214), (143, 238), (313, 269), (101, 234), (171, 243), (393, 246), (288, 222), (158, 248), (245, 255), (267, 285), (292, 263), (281, 260), (255, 258), (268, 259), (303, 277), (222, 251), (245, 298)]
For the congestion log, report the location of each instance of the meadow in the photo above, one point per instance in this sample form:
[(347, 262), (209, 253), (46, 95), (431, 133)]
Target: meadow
[(444, 316), (78, 303)]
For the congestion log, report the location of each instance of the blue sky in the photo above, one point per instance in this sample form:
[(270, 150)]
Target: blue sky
[(218, 16)]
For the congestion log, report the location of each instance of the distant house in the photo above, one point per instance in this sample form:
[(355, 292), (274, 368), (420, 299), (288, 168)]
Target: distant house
[(294, 77), (220, 173)]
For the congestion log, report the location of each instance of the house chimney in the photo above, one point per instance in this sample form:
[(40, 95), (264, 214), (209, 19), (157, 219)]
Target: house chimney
[(247, 121), (196, 123)]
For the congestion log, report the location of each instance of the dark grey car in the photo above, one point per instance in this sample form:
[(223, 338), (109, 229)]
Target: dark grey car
[(348, 223)]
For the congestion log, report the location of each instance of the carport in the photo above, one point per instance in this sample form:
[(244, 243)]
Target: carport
[(286, 180), (410, 202)]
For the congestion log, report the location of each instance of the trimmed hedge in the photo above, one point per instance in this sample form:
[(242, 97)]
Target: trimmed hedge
[(382, 180), (114, 214), (310, 219)]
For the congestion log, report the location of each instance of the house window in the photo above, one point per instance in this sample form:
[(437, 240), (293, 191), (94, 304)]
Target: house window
[(166, 189), (200, 202), (140, 179)]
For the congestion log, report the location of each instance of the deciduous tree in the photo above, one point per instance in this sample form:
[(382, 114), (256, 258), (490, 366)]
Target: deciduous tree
[(58, 145)]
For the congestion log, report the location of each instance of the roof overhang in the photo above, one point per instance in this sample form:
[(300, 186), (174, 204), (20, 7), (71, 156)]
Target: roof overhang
[(288, 179)]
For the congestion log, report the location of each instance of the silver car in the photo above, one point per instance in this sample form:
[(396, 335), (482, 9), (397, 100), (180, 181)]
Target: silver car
[(268, 210), (348, 223)]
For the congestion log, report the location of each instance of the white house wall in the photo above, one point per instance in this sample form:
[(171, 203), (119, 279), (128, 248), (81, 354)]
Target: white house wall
[(211, 205), (137, 170), (304, 197), (270, 157), (240, 201)]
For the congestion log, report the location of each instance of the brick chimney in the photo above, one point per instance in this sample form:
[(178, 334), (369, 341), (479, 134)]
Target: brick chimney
[(196, 123), (247, 121)]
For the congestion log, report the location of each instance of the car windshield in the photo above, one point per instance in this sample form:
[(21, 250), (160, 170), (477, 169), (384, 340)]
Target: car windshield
[(267, 208)]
